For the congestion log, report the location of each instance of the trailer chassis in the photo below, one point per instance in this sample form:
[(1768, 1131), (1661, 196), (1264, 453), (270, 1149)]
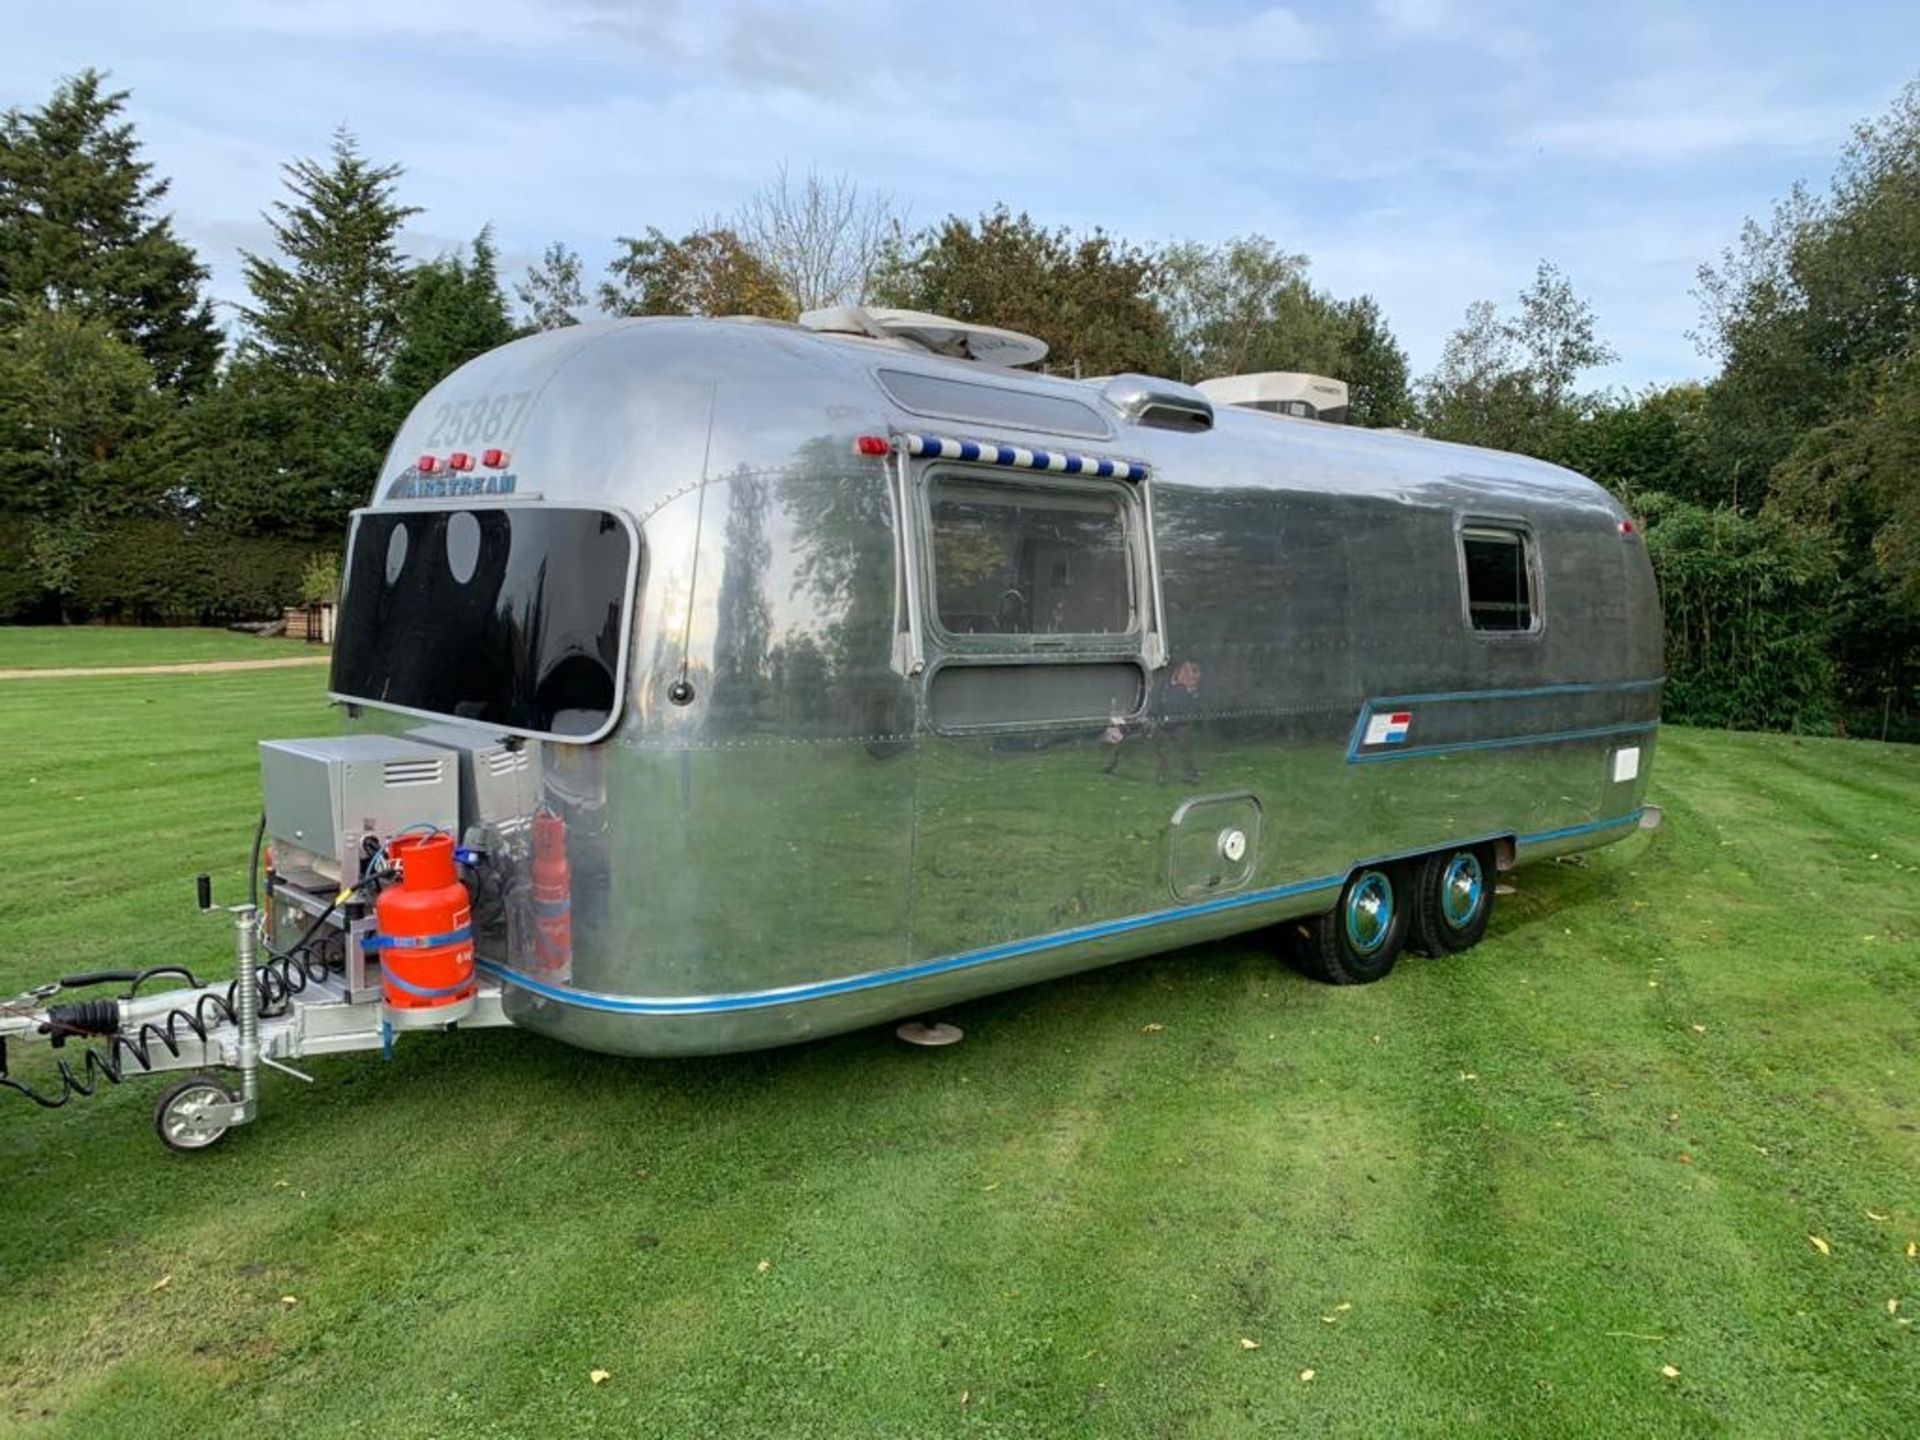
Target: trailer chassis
[(216, 1027)]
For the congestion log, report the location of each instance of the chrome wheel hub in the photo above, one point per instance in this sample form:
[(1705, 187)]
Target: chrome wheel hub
[(1461, 891), (1369, 912)]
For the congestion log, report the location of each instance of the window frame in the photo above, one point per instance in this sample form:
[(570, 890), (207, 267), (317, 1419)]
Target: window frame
[(629, 605), (1523, 530), (1143, 645)]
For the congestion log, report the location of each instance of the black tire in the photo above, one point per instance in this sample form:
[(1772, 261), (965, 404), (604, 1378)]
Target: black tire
[(1453, 900), (1358, 941), (173, 1120)]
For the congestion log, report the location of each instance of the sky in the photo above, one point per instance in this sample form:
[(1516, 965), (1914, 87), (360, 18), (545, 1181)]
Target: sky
[(1428, 152)]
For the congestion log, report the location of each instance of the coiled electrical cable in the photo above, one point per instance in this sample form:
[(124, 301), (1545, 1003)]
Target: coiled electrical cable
[(281, 975)]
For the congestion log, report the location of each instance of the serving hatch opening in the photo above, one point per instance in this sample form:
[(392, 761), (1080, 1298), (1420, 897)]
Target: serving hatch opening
[(510, 617)]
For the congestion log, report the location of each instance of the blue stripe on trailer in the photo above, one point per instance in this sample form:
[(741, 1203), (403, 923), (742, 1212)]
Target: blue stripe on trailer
[(1373, 706), (971, 959), (1015, 457)]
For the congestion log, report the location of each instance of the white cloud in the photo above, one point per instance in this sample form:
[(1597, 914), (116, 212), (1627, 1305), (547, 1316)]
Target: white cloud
[(1682, 116), (1416, 17)]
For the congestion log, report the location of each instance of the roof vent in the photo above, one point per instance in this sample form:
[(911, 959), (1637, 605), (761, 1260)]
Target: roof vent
[(938, 334), (1160, 404), (1282, 392)]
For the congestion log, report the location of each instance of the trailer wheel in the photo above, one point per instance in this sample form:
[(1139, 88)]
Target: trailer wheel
[(1452, 900), (1357, 942), (180, 1116)]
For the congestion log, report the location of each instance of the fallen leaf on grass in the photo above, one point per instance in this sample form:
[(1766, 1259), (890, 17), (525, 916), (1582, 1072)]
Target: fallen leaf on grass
[(599, 1377), (1154, 1029), (1699, 1029), (1820, 1245), (1893, 1307), (764, 1266), (163, 1282), (1684, 1158), (1913, 1249), (1670, 1372), (1246, 1344), (966, 1397), (989, 1187), (1305, 1375), (289, 1299), (1876, 1215)]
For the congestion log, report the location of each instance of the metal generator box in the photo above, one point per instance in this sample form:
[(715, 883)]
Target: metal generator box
[(323, 795)]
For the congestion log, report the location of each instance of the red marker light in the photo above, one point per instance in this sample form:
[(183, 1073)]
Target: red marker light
[(1626, 527), (426, 464), (459, 460), (873, 445), (494, 459)]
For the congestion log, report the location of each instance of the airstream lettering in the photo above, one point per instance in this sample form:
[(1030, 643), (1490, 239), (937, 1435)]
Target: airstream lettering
[(776, 680)]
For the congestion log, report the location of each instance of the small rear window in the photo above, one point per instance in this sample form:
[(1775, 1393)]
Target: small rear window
[(1499, 577)]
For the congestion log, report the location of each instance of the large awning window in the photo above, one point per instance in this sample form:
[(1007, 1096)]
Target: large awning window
[(512, 617)]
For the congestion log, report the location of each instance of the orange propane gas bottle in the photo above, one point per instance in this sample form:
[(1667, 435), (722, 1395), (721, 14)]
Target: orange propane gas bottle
[(426, 935), (552, 897)]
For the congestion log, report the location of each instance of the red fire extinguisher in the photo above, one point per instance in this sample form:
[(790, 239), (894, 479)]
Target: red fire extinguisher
[(426, 935), (552, 897)]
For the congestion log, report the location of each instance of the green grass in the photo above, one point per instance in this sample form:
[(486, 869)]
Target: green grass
[(55, 647), (1492, 1196)]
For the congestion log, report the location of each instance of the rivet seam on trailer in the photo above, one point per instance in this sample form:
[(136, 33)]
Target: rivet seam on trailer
[(1018, 457), (762, 999)]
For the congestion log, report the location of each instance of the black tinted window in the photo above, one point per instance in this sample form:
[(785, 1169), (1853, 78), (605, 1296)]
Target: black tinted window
[(1009, 560), (504, 617), (1499, 580)]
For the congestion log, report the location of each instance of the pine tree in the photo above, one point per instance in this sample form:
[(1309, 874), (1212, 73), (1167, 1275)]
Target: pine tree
[(453, 311), (331, 310), (79, 231)]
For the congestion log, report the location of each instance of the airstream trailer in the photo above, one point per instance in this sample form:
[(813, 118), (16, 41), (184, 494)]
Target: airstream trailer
[(865, 680), (777, 680)]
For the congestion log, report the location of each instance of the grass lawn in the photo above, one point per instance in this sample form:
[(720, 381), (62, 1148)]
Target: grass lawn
[(56, 647), (1493, 1196)]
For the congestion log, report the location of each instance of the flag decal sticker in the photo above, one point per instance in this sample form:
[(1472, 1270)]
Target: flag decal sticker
[(1388, 729)]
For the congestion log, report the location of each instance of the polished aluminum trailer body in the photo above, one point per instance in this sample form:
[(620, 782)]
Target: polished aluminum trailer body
[(823, 801)]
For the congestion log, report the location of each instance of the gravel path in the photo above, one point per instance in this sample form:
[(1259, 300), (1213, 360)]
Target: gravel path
[(191, 667)]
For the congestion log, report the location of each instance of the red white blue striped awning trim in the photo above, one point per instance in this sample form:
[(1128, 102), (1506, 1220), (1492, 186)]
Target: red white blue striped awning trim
[(1017, 457)]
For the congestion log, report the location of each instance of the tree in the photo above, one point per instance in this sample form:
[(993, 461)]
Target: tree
[(823, 239), (1509, 382), (1089, 296), (79, 233), (552, 291), (1814, 414), (452, 312), (74, 400), (709, 272), (1373, 365), (331, 310), (1655, 441), (1246, 306), (1241, 307)]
